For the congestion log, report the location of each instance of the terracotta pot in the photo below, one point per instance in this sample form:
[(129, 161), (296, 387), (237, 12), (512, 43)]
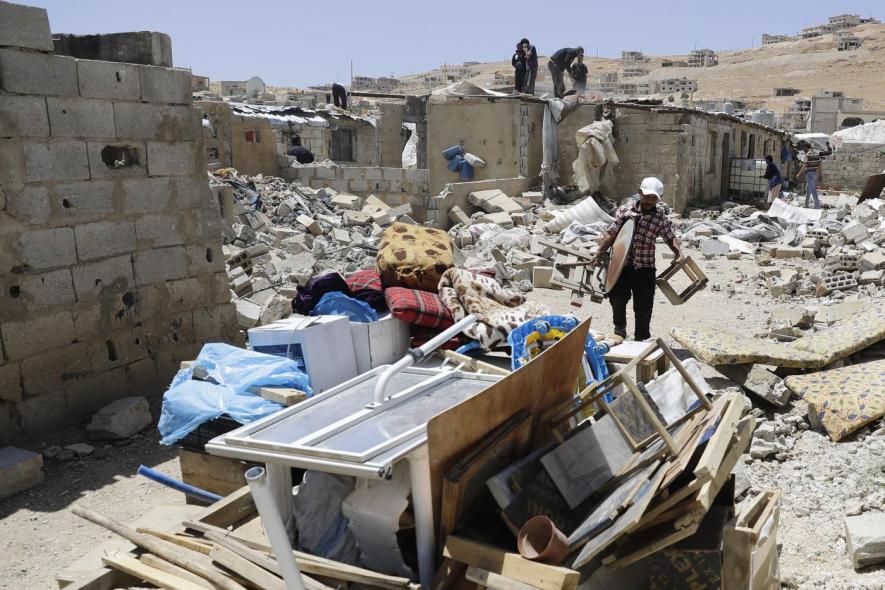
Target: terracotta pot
[(540, 540)]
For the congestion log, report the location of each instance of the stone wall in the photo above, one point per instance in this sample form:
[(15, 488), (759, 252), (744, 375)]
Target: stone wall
[(110, 242), (851, 166), (245, 143), (394, 186)]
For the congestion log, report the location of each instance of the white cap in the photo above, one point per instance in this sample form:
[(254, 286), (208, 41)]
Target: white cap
[(652, 186)]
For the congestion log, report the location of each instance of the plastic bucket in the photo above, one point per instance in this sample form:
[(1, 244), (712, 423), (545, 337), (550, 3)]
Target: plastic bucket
[(466, 170), (455, 150), (455, 163), (540, 540)]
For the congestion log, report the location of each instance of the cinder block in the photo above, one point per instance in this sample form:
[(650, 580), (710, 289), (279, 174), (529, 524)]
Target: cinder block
[(323, 172), (416, 175), (20, 470), (204, 258), (10, 383), (184, 294), (161, 264), (159, 230), (37, 334), (88, 394), (172, 159), (143, 372), (165, 85), (47, 289), (106, 79), (162, 122), (147, 195), (114, 274), (359, 186), (352, 173), (47, 372), (23, 116), (56, 161), (80, 117), (84, 201), (193, 192), (25, 26), (28, 204), (11, 162), (209, 323), (392, 173), (37, 73), (374, 174), (48, 248), (116, 159), (104, 238)]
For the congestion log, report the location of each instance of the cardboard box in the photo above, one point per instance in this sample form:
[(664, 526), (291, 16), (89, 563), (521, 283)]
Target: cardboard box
[(321, 345), (379, 343)]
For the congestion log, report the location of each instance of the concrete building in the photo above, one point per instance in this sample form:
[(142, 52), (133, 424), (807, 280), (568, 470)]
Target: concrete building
[(796, 117), (233, 87), (702, 58), (772, 39), (199, 83), (110, 238), (823, 116), (815, 31), (634, 69), (784, 91), (845, 119), (843, 21), (633, 57), (233, 141), (845, 41), (675, 86), (674, 63)]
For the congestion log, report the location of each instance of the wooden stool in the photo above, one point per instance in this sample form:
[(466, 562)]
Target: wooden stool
[(690, 268)]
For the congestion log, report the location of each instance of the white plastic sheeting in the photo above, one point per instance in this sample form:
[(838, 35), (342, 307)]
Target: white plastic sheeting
[(596, 155), (586, 211), (793, 214)]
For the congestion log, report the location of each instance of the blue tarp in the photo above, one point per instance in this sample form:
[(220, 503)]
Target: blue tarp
[(231, 372)]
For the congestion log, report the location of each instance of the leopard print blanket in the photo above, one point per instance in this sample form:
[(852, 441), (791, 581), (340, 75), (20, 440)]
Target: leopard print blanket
[(499, 310)]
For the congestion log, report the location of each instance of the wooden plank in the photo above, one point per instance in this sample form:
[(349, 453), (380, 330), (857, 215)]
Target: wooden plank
[(511, 565), (151, 560), (494, 581), (287, 396), (230, 510), (474, 364), (466, 481), (104, 578), (718, 444), (191, 544), (257, 576), (159, 578), (549, 379), (314, 565)]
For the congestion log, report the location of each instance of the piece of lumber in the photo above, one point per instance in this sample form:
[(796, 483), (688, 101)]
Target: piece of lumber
[(474, 364), (494, 581), (546, 381), (320, 566), (286, 396), (230, 510), (152, 575), (218, 475), (258, 558), (172, 553), (718, 444), (466, 481), (103, 578), (151, 560), (255, 575), (511, 565), (187, 542)]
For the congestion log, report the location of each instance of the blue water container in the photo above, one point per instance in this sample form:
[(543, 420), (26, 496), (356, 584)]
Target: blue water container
[(455, 163), (450, 153), (466, 170)]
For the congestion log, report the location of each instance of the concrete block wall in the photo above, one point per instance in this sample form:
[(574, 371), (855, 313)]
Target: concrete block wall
[(110, 242), (394, 186), (851, 166)]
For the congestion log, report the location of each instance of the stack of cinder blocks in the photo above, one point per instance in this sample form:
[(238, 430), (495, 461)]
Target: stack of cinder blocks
[(110, 242)]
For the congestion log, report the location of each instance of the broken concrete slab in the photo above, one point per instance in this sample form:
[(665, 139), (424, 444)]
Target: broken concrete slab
[(871, 277), (20, 470), (311, 225), (758, 380), (872, 261), (855, 232), (865, 538), (536, 197), (457, 215), (542, 277), (347, 202), (120, 419), (276, 308), (714, 247), (248, 313), (502, 219), (352, 217)]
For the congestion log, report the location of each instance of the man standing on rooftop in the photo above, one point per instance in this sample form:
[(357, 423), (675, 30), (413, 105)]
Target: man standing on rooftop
[(561, 62)]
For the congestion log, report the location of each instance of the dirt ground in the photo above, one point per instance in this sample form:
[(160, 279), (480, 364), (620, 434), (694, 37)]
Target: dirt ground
[(39, 535)]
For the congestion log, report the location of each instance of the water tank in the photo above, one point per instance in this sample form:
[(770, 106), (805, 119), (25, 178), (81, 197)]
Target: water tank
[(254, 87), (728, 108)]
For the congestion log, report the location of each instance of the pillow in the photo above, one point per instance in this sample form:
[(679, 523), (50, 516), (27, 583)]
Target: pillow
[(414, 257), (364, 279), (418, 308)]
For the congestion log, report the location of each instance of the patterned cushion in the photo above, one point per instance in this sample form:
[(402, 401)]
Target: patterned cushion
[(844, 399), (846, 337), (414, 257), (364, 279), (716, 347), (418, 307)]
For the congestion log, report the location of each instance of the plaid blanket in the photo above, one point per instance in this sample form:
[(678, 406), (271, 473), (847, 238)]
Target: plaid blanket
[(418, 307)]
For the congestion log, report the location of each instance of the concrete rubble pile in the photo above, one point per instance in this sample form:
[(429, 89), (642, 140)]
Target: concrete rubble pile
[(278, 235)]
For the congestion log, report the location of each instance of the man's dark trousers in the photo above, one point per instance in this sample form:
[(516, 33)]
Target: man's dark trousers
[(640, 284)]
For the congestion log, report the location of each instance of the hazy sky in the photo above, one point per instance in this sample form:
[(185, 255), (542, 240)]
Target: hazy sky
[(298, 43)]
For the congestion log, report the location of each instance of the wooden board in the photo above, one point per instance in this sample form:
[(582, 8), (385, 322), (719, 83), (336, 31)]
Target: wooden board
[(494, 581), (159, 578), (464, 484), (548, 380), (218, 475), (511, 565)]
